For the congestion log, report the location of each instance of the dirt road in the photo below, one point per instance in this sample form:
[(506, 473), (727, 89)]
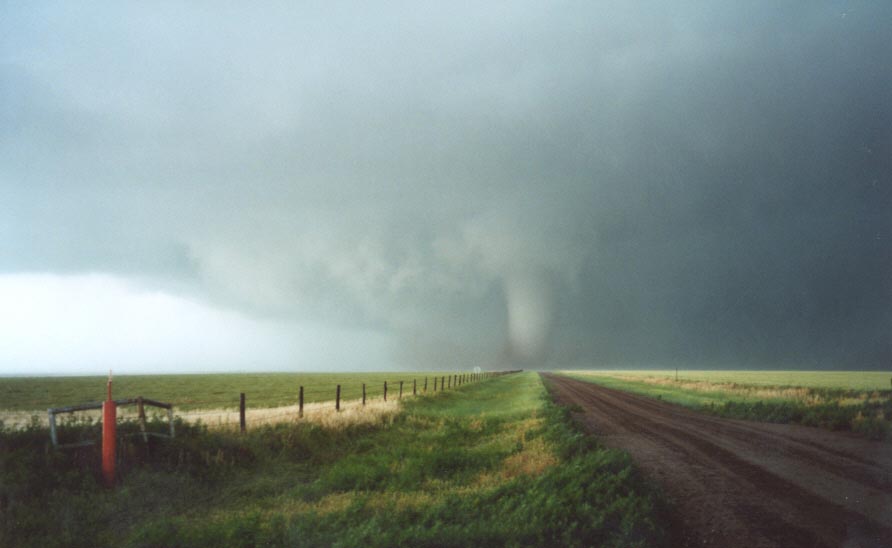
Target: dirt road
[(739, 483)]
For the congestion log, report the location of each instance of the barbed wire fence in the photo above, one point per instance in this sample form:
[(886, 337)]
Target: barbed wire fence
[(329, 403)]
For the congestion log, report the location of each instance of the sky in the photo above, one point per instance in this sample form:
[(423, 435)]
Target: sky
[(334, 186)]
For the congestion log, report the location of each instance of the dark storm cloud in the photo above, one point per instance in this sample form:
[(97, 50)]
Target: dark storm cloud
[(575, 183)]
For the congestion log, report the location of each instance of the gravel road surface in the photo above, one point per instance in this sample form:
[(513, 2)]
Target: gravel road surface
[(738, 483)]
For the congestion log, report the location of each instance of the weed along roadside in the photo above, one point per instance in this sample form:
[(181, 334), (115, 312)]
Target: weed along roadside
[(858, 402), (487, 464)]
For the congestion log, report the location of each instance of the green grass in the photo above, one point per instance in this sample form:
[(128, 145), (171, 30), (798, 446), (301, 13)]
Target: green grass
[(689, 398), (853, 401), (848, 380), (490, 464), (205, 390)]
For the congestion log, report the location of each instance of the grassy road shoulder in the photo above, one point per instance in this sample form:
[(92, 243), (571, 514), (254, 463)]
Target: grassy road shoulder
[(866, 411), (491, 464)]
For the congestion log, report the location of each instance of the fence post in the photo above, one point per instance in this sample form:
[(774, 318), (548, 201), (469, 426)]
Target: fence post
[(443, 383), (435, 384), (425, 384), (450, 381), (363, 394), (300, 403), (141, 414), (241, 412), (338, 399), (385, 390), (401, 391), (109, 436), (170, 419), (52, 420), (414, 387)]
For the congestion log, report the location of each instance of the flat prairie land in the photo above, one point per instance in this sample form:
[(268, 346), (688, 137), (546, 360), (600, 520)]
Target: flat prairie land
[(202, 391), (214, 399), (492, 463), (847, 380), (859, 401)]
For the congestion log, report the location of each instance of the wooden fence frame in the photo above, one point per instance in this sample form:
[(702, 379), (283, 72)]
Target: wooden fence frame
[(139, 402)]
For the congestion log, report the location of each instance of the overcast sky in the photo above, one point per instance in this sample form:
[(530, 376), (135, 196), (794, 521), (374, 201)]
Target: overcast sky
[(343, 186)]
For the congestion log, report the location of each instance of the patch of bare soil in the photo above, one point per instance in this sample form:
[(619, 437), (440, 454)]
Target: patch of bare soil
[(739, 483)]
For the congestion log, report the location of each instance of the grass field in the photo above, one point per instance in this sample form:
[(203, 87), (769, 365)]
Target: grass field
[(846, 380), (490, 464), (858, 401), (202, 391)]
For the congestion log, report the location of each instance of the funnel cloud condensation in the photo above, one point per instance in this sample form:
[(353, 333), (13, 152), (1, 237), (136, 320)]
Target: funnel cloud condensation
[(530, 316), (539, 184)]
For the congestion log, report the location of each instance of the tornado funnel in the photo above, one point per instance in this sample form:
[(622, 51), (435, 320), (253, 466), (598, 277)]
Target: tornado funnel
[(530, 302)]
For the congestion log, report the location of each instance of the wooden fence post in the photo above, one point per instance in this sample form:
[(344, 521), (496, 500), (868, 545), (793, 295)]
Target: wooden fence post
[(52, 419), (141, 415), (435, 384), (363, 394), (425, 384), (338, 399), (414, 387), (401, 391), (442, 383), (300, 403), (385, 390), (241, 412), (450, 381)]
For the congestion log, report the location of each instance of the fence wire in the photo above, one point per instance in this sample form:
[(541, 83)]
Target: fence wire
[(268, 407)]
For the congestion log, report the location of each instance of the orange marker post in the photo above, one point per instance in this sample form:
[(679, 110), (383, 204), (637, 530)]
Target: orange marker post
[(109, 423)]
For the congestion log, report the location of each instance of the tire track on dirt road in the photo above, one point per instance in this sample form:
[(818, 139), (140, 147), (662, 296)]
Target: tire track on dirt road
[(738, 483)]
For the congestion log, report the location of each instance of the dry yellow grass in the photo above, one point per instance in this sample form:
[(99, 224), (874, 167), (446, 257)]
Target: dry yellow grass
[(807, 396), (324, 414), (756, 392), (534, 458)]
